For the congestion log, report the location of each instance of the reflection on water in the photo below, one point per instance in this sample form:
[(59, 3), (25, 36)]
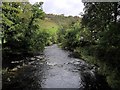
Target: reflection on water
[(56, 70)]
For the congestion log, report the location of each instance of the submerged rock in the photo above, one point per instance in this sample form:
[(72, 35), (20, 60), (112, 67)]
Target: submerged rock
[(32, 58)]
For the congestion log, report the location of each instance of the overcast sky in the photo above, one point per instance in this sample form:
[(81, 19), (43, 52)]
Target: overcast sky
[(66, 7)]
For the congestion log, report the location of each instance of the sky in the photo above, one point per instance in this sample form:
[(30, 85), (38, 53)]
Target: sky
[(66, 7)]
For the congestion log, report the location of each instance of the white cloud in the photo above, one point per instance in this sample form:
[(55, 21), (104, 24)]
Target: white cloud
[(66, 7)]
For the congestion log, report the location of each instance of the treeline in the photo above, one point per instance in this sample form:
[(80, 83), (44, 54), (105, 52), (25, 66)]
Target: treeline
[(25, 28), (96, 38), (63, 21)]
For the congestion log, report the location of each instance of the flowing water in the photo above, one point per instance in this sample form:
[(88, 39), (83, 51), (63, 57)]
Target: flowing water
[(55, 70), (60, 71)]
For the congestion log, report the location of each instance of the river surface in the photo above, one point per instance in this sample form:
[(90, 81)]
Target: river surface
[(60, 72), (54, 69)]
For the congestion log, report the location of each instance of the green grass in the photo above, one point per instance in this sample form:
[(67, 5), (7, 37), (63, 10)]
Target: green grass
[(49, 25)]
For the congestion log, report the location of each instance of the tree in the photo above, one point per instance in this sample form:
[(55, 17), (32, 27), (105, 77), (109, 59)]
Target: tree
[(102, 20), (19, 25)]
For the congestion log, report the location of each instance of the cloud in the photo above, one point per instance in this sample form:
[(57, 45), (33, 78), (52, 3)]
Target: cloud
[(66, 7)]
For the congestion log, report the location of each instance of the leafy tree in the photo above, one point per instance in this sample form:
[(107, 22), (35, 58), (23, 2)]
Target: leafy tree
[(102, 21), (10, 23), (19, 25)]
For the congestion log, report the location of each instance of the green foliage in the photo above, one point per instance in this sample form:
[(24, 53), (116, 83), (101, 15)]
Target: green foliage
[(67, 37), (20, 26), (102, 21), (26, 28), (51, 28), (64, 22), (56, 26), (74, 37)]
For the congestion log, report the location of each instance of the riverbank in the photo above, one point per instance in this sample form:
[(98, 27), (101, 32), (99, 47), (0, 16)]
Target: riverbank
[(16, 74), (110, 74)]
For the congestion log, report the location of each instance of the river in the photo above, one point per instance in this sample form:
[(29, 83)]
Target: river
[(54, 69)]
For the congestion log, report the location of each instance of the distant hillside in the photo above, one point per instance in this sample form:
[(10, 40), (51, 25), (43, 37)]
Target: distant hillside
[(52, 24), (48, 25), (63, 21)]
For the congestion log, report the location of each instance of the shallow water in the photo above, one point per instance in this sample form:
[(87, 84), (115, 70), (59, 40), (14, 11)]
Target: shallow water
[(55, 70), (60, 73)]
